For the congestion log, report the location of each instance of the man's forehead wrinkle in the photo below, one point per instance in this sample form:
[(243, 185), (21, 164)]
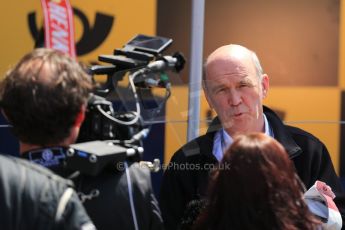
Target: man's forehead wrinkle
[(229, 78), (232, 76)]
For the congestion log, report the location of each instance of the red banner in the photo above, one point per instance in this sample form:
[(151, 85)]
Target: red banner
[(59, 26)]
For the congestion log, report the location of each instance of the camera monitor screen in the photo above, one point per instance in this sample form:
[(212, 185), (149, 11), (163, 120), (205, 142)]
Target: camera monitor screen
[(150, 44)]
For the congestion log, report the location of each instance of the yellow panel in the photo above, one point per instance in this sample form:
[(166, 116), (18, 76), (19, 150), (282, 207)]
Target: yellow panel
[(15, 36), (314, 109), (176, 115), (131, 17)]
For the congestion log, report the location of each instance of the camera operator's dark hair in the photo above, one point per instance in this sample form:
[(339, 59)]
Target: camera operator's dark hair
[(42, 96), (259, 190)]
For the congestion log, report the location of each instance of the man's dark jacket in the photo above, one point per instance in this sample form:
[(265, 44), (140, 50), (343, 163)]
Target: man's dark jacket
[(31, 197), (179, 186)]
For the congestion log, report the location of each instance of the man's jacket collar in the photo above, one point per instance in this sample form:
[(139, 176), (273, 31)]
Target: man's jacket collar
[(279, 130), (281, 133)]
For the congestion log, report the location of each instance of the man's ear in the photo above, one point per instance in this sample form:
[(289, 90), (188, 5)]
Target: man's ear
[(208, 99), (265, 84), (80, 116)]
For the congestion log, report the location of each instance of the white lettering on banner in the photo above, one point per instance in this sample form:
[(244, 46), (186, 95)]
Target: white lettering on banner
[(59, 26), (58, 13), (58, 31), (59, 38), (58, 45)]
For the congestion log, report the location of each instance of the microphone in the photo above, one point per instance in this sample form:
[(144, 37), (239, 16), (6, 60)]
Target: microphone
[(146, 77), (147, 81), (175, 63)]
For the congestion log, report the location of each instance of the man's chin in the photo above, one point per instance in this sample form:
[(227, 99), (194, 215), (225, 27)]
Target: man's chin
[(228, 124), (237, 126), (237, 131)]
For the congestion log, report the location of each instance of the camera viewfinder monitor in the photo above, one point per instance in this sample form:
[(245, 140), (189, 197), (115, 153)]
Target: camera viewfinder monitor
[(149, 44)]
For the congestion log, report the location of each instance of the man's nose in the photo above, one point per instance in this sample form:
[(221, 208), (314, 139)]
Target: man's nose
[(234, 98)]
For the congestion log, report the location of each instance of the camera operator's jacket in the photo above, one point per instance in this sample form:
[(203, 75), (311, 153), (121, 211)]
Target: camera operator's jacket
[(114, 199), (121, 193), (31, 197), (310, 156)]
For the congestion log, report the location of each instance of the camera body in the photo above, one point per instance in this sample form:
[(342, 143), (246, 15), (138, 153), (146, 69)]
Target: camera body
[(109, 134), (96, 126), (136, 53)]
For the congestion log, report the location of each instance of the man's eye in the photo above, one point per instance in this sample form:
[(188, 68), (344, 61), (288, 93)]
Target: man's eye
[(220, 90), (245, 85)]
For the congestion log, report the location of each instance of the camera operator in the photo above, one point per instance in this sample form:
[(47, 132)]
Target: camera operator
[(32, 197), (44, 97)]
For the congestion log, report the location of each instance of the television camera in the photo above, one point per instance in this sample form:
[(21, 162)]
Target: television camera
[(111, 135)]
